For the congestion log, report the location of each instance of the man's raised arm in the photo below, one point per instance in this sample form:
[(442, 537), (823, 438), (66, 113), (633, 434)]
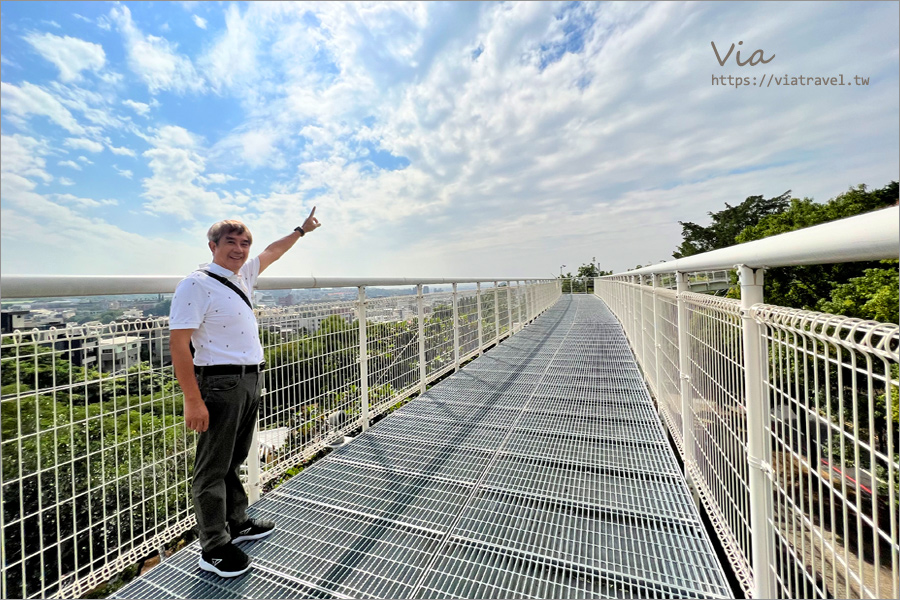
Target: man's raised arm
[(276, 249)]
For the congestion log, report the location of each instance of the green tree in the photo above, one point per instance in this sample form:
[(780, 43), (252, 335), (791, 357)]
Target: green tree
[(728, 224), (874, 295), (161, 309), (812, 287)]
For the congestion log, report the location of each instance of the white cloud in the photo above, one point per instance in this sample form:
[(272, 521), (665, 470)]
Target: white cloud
[(23, 157), (177, 162), (233, 57), (218, 178), (257, 147), (122, 151), (154, 59), (66, 181), (71, 242), (138, 107), (85, 160), (69, 163), (199, 22), (34, 100), (535, 133), (84, 144), (82, 202), (70, 55), (123, 172)]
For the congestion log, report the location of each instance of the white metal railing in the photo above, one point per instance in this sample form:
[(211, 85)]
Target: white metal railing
[(95, 458), (787, 420)]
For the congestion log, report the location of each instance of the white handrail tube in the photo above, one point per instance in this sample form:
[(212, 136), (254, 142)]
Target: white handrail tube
[(871, 236), (54, 286)]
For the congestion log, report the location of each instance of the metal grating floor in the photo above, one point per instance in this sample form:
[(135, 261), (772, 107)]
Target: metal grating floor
[(539, 471)]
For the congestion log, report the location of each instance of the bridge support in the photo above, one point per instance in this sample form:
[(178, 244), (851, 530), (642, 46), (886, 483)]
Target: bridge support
[(758, 449)]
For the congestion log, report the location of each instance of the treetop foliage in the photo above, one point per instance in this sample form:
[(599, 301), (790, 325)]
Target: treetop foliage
[(728, 224), (865, 290)]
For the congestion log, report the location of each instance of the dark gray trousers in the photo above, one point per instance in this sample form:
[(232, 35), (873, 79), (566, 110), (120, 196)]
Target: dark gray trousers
[(219, 496)]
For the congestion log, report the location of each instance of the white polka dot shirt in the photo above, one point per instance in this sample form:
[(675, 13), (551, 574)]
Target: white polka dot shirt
[(225, 328)]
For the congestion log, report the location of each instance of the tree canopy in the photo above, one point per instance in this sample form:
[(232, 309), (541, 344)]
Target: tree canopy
[(867, 290), (728, 224)]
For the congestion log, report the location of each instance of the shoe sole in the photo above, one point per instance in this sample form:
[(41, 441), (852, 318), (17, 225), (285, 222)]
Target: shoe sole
[(212, 569), (247, 538)]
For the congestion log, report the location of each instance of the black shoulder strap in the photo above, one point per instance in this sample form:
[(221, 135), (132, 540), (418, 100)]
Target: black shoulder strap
[(224, 281)]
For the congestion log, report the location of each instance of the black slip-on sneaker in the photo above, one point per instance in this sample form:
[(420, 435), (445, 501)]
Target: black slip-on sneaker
[(253, 529), (225, 561)]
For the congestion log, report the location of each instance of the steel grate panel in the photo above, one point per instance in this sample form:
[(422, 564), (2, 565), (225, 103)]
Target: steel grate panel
[(483, 415), (180, 578), (454, 396), (430, 504), (587, 427), (597, 407), (461, 434), (623, 544), (540, 470), (352, 555), (608, 454), (465, 570), (636, 491), (444, 461)]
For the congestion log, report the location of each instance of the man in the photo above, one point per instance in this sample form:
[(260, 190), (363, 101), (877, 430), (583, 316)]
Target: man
[(222, 384)]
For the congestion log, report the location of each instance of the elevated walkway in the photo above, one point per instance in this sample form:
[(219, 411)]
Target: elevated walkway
[(540, 470)]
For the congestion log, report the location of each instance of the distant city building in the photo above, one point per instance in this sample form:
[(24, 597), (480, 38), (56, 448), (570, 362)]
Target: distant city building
[(10, 320), (119, 352)]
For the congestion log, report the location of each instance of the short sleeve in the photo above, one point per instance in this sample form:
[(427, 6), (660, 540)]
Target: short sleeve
[(189, 305), (250, 272)]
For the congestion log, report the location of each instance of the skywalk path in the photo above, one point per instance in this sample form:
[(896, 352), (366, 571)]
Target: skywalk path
[(540, 470)]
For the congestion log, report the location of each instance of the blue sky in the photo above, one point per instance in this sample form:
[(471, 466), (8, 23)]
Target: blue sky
[(443, 140)]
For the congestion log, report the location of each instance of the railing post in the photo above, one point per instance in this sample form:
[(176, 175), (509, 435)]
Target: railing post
[(684, 367), (496, 314), (654, 281), (529, 301), (634, 317), (480, 326), (758, 450), (641, 321), (455, 330), (363, 360), (519, 303), (509, 328), (420, 305)]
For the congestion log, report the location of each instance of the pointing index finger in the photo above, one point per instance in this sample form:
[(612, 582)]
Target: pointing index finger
[(313, 211)]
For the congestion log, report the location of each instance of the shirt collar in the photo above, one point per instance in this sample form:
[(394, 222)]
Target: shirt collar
[(218, 270)]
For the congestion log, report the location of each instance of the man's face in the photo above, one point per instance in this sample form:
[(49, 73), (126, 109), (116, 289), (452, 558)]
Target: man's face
[(232, 251)]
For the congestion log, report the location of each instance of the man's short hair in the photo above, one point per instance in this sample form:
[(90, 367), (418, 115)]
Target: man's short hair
[(221, 228)]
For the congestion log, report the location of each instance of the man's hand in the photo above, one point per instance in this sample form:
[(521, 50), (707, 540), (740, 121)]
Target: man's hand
[(276, 249), (311, 222), (196, 416)]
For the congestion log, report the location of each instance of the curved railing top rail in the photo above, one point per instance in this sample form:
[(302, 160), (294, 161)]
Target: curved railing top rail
[(871, 236), (48, 286)]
